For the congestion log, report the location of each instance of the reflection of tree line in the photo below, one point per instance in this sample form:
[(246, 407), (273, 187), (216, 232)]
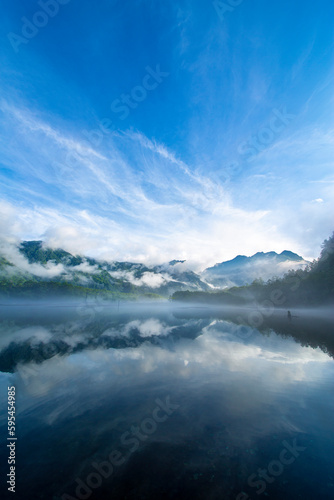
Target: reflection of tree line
[(307, 331)]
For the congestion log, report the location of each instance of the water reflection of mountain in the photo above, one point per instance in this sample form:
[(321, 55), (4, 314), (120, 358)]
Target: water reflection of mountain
[(37, 335), (39, 340), (238, 396)]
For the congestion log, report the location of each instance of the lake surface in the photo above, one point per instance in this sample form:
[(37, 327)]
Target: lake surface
[(166, 401)]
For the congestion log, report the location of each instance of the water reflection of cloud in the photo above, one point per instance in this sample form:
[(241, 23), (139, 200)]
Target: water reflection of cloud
[(35, 334), (235, 394), (146, 328), (216, 354)]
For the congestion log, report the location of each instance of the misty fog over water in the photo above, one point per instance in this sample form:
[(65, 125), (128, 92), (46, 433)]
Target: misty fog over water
[(131, 400)]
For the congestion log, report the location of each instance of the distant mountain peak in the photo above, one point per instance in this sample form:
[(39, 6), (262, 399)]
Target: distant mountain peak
[(173, 262), (291, 255), (242, 269), (264, 254), (31, 244)]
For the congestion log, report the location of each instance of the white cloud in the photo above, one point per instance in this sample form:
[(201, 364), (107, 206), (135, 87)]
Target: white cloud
[(134, 200), (81, 232), (148, 278), (14, 256), (84, 267)]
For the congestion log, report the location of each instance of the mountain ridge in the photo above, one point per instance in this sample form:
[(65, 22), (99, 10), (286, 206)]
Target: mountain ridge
[(243, 269), (32, 263), (285, 255)]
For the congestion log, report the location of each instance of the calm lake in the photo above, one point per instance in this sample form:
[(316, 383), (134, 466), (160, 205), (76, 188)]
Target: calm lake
[(167, 401)]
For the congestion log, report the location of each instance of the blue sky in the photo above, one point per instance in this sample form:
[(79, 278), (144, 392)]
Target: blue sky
[(151, 130)]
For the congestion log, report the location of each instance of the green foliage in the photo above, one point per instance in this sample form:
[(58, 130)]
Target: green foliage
[(35, 253), (50, 289), (4, 263)]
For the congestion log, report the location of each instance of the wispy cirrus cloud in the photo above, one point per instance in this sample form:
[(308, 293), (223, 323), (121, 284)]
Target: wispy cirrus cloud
[(129, 199)]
